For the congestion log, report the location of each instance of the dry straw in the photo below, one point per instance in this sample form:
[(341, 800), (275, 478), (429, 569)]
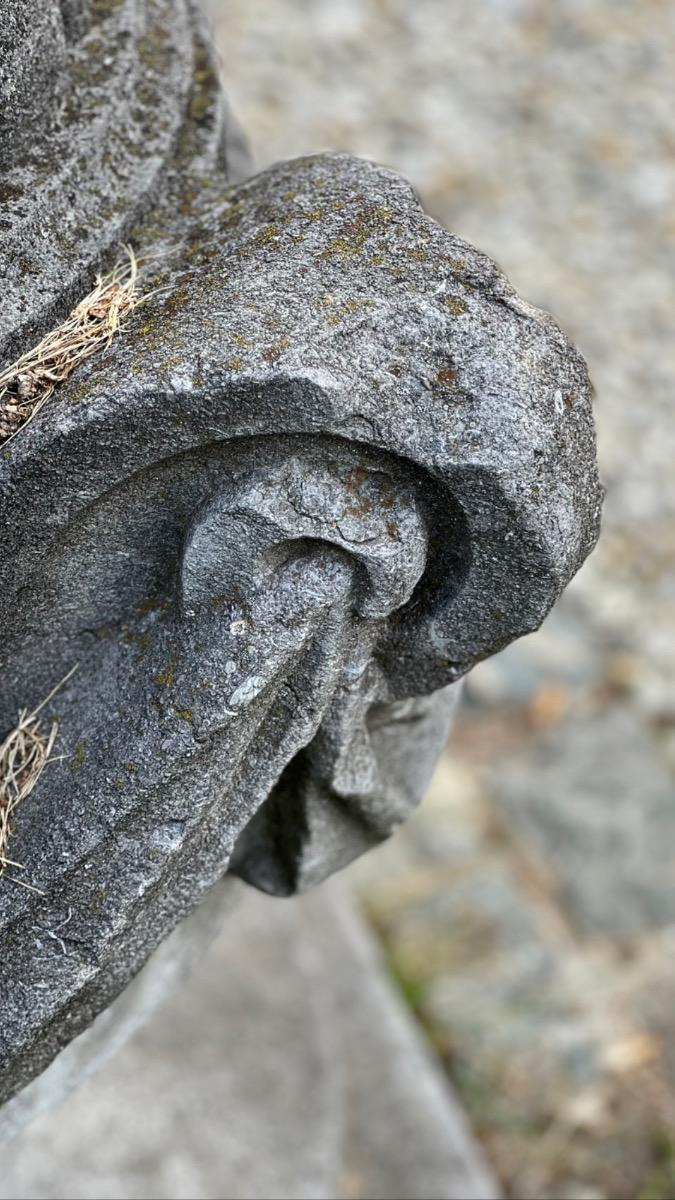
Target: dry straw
[(28, 383), (24, 754)]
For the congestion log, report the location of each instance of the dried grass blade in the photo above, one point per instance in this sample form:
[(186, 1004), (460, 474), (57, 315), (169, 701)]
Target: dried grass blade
[(27, 383), (24, 754)]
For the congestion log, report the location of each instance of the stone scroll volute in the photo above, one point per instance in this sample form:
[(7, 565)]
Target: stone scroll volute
[(332, 463)]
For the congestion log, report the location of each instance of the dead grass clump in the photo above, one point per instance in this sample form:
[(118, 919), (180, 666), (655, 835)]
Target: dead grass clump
[(24, 754), (28, 383)]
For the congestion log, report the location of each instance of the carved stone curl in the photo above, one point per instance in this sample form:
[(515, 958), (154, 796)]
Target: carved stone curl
[(332, 464)]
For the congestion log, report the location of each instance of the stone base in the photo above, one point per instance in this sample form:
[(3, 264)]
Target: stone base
[(284, 1067)]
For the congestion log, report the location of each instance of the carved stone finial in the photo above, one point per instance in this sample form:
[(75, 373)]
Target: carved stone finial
[(332, 463)]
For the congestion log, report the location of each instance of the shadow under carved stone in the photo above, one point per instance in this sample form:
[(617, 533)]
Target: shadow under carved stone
[(332, 462)]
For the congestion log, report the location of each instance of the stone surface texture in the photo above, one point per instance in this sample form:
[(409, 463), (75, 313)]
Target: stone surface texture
[(543, 133), (332, 463)]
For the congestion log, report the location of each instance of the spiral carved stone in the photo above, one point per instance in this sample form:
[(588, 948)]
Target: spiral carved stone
[(333, 463)]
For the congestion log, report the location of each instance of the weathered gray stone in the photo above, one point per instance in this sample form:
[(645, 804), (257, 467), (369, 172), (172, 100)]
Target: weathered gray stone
[(332, 463), (105, 1037), (107, 107)]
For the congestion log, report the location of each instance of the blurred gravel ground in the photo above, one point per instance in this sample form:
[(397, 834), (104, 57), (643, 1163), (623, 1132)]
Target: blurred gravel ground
[(529, 910)]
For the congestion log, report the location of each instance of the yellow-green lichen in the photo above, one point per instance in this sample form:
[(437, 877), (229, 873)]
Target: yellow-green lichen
[(153, 604), (458, 264), (166, 677), (274, 351), (343, 310), (356, 233), (456, 305), (103, 8), (154, 50), (264, 236)]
